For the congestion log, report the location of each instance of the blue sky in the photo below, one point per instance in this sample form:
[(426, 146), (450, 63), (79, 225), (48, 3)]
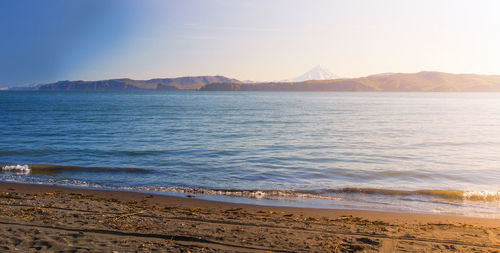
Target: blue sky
[(50, 40)]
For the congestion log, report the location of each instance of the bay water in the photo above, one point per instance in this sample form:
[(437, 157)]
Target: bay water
[(408, 152)]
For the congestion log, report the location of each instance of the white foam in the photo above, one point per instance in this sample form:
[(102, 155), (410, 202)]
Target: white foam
[(20, 169), (287, 195), (482, 195)]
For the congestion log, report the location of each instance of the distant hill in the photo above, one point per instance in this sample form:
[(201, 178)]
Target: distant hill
[(425, 81), (180, 83), (191, 83)]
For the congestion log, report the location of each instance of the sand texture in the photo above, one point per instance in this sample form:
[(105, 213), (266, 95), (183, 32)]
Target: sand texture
[(45, 218)]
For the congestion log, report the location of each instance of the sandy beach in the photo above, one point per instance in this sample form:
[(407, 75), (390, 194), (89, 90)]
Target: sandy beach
[(56, 219)]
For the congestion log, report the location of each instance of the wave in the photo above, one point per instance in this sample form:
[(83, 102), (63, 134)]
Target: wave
[(255, 194), (328, 194), (18, 169), (52, 170), (445, 194)]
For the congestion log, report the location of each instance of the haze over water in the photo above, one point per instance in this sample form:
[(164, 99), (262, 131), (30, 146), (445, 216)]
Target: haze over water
[(317, 144)]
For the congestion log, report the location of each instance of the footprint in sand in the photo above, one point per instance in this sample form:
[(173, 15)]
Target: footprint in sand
[(388, 245), (492, 236)]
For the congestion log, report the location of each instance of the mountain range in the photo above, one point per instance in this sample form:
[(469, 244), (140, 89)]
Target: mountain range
[(425, 81), (179, 83)]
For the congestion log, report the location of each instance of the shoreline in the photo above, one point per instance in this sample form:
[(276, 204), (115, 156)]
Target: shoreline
[(58, 218), (193, 202)]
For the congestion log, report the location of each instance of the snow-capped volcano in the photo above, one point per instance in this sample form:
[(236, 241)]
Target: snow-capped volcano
[(316, 73)]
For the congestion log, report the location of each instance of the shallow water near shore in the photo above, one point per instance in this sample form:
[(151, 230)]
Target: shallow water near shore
[(411, 152)]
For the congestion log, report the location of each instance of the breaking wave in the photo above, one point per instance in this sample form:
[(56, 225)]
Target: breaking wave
[(329, 194), (445, 194), (18, 169), (339, 194), (51, 170)]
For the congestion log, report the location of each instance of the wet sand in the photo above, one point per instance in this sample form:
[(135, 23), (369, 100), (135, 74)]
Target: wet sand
[(57, 219)]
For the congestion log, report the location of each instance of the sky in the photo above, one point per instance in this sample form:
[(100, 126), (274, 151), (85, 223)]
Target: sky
[(260, 40)]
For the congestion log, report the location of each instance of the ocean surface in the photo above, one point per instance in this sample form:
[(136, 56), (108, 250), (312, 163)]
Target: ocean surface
[(409, 152)]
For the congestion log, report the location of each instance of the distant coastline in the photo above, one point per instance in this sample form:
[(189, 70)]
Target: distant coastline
[(425, 81), (160, 84)]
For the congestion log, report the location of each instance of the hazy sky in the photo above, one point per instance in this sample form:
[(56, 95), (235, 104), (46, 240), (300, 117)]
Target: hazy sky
[(50, 40)]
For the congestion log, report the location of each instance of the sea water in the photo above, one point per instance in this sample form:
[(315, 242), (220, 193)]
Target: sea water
[(410, 152)]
